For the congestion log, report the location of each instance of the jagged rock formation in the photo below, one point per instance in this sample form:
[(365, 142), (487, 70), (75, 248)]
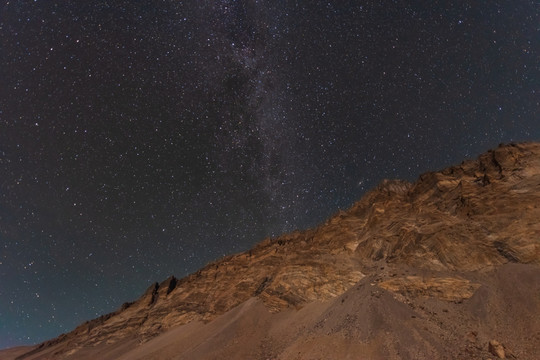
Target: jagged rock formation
[(434, 258), (478, 214)]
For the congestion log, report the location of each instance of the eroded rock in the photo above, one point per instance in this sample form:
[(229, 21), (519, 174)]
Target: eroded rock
[(496, 349)]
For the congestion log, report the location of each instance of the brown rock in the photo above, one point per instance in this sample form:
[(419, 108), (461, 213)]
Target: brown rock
[(444, 288), (496, 349)]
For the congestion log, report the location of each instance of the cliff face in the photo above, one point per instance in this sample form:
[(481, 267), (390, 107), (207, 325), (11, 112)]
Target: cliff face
[(433, 239), (480, 213)]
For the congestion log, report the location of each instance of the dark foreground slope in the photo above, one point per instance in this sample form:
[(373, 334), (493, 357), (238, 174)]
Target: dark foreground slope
[(434, 269)]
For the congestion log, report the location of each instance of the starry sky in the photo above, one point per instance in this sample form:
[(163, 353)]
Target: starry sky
[(140, 139)]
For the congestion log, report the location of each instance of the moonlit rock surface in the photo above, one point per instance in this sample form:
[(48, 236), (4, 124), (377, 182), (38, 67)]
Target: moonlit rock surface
[(434, 269)]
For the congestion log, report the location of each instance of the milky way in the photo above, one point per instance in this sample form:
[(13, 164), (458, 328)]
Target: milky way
[(143, 139)]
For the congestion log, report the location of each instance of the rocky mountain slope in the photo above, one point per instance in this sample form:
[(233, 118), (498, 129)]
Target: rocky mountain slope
[(447, 267)]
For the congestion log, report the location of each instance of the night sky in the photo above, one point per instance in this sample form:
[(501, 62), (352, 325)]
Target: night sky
[(140, 139)]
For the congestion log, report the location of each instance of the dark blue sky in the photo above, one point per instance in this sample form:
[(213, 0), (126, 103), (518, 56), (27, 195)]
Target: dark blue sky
[(140, 139)]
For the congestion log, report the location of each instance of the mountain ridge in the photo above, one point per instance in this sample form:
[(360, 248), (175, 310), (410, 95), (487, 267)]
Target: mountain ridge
[(432, 239)]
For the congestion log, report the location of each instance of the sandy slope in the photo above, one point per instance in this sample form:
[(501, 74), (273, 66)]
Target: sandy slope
[(366, 322), (10, 354)]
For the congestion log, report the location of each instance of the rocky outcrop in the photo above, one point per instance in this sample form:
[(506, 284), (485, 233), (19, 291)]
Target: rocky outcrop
[(444, 288), (414, 241), (496, 349), (465, 217)]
